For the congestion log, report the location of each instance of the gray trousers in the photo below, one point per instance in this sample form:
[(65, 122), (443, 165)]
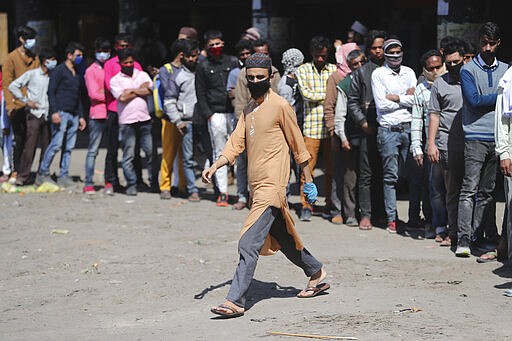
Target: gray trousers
[(250, 244), (479, 180), (344, 179)]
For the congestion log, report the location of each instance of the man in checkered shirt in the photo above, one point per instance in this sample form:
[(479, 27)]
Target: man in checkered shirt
[(312, 78)]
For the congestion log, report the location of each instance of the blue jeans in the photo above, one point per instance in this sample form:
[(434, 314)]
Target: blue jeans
[(187, 146), (393, 147), (130, 134), (96, 130), (63, 135)]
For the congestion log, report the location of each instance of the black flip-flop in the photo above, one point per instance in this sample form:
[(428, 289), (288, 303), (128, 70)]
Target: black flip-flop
[(224, 314), (320, 288)]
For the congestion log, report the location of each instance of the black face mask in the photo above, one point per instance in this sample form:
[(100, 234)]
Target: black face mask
[(454, 70), (258, 89), (127, 70)]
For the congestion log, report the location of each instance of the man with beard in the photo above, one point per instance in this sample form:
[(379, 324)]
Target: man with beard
[(393, 90), (479, 82), (16, 64), (268, 130), (179, 103), (445, 145), (361, 111), (213, 103)]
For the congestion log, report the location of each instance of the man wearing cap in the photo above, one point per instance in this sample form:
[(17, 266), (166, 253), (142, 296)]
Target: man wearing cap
[(393, 90), (267, 129)]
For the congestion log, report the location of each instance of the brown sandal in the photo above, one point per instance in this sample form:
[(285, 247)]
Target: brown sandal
[(320, 288), (232, 312)]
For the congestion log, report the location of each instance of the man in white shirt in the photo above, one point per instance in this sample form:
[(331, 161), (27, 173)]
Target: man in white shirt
[(393, 88)]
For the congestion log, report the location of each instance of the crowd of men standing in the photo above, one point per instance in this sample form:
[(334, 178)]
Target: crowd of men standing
[(373, 121)]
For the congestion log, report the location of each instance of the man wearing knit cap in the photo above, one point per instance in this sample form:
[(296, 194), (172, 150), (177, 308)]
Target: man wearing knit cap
[(268, 130), (393, 90)]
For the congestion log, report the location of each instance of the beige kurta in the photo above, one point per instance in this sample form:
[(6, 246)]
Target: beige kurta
[(268, 132)]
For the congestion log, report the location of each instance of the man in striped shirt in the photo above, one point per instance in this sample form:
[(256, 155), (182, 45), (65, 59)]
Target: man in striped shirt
[(312, 78)]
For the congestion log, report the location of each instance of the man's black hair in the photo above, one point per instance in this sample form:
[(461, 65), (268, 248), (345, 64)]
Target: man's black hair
[(447, 41), (46, 53), (125, 53), (490, 30), (354, 54), (319, 42), (177, 46), (123, 36), (430, 53), (212, 34), (457, 45), (375, 34), (261, 42), (73, 46), (24, 32), (191, 45), (102, 43), (243, 44), (471, 48)]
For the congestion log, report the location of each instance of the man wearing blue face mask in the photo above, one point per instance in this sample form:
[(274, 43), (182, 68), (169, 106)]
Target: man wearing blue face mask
[(36, 101), (16, 64), (66, 115), (393, 89), (95, 83)]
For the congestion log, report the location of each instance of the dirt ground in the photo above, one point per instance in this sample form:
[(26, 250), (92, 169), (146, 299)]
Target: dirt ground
[(139, 268)]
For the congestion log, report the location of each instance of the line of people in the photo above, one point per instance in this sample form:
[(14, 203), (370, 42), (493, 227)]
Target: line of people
[(375, 123)]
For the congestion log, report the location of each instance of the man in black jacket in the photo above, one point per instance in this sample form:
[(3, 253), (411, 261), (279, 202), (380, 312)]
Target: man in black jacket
[(213, 103), (362, 112)]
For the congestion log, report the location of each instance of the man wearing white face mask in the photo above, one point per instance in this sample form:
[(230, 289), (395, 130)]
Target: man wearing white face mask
[(393, 90), (16, 64), (36, 100), (95, 83)]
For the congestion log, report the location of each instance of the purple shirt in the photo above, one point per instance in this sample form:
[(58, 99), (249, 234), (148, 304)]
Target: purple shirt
[(135, 110)]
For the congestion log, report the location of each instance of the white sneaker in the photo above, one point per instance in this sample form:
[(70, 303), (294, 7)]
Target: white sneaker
[(463, 251)]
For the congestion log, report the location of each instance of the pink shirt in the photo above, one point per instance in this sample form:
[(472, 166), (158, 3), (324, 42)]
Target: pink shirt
[(135, 110), (95, 83), (112, 68)]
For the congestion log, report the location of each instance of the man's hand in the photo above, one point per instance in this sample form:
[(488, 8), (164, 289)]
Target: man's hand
[(433, 153), (32, 105), (231, 93), (345, 145), (310, 191), (410, 91), (206, 177), (56, 118), (182, 127), (506, 167), (144, 85), (10, 113), (82, 124), (367, 129), (419, 160), (393, 98)]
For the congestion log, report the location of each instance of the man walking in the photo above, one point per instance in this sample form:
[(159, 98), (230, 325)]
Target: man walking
[(268, 130)]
